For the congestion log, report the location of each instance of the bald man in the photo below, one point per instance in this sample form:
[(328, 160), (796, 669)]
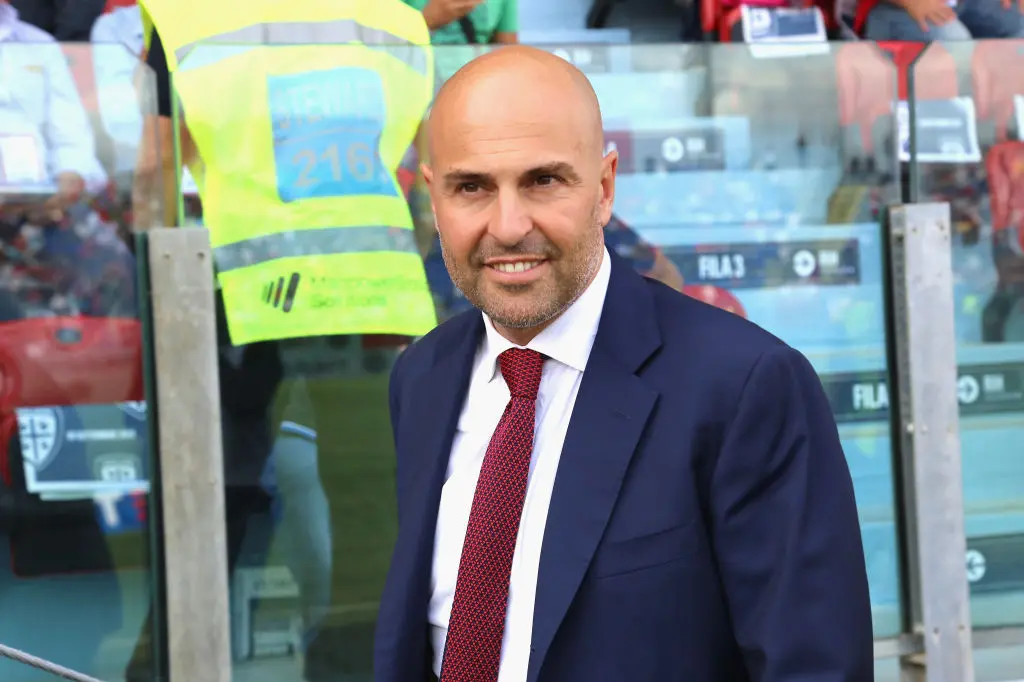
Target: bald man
[(598, 477)]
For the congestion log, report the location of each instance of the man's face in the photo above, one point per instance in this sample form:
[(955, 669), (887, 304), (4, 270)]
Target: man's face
[(520, 201)]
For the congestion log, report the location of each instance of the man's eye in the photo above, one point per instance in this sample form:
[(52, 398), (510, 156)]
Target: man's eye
[(467, 187), (547, 179)]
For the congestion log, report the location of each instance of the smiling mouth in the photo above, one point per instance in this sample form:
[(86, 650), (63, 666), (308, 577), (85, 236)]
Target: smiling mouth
[(520, 266)]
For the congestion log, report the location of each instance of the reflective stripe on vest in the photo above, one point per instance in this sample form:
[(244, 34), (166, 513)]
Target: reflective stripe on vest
[(321, 241), (338, 32)]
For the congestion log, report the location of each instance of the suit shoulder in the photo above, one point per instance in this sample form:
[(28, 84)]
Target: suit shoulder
[(422, 352), (710, 332), (715, 354)]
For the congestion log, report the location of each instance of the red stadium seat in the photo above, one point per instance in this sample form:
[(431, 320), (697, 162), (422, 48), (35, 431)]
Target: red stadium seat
[(716, 296), (1004, 164)]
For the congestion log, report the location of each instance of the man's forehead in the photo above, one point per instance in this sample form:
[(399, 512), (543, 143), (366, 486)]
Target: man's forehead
[(503, 125), (526, 167), (493, 117), (506, 136)]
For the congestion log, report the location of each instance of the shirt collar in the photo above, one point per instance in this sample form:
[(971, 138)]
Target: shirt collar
[(568, 339)]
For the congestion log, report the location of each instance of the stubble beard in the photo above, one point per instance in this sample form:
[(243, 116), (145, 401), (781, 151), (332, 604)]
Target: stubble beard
[(535, 304)]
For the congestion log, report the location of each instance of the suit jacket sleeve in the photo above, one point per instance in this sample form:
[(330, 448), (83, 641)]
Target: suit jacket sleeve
[(394, 396), (394, 405), (786, 534)]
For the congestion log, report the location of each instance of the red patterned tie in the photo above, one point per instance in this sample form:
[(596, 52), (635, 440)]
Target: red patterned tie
[(472, 651)]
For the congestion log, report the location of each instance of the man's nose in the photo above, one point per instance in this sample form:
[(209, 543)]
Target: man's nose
[(510, 222)]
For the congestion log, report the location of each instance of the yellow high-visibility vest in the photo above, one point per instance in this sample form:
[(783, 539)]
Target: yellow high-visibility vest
[(301, 112)]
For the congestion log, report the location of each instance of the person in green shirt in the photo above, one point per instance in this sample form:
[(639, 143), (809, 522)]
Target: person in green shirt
[(493, 21), (464, 28)]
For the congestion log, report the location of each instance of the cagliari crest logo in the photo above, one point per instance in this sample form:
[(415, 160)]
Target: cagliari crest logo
[(41, 433)]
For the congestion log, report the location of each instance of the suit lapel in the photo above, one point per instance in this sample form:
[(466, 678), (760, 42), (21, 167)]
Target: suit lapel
[(608, 420), (430, 410), (435, 402)]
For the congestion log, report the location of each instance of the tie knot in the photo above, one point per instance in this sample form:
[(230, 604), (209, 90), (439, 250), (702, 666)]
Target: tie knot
[(522, 369)]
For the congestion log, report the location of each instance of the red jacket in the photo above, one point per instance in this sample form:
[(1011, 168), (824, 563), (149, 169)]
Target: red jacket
[(864, 8), (1004, 164)]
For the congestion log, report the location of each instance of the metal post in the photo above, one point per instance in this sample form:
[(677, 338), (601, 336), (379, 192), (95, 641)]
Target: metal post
[(191, 472), (923, 312)]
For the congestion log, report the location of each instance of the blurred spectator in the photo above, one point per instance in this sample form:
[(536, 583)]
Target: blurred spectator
[(649, 260), (928, 20), (461, 22), (52, 242), (41, 113), (118, 39), (464, 23), (68, 21), (1005, 166), (124, 93)]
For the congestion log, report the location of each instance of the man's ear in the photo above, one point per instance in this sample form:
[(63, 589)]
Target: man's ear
[(609, 166)]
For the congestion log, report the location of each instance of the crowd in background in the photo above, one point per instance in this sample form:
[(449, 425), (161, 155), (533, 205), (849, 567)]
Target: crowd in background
[(92, 114)]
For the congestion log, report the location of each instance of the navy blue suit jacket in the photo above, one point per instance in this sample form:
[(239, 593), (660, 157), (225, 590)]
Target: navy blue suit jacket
[(702, 526)]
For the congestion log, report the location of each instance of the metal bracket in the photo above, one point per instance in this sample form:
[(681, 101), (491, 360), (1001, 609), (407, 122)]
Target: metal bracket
[(923, 313), (191, 466)]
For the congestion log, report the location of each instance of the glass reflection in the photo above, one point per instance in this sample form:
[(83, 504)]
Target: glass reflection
[(74, 451), (983, 183)]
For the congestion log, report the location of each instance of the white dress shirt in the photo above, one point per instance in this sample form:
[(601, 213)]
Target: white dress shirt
[(40, 104), (566, 343)]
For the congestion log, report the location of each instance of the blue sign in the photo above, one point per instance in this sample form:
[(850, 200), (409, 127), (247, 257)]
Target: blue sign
[(327, 127), (754, 265), (84, 449)]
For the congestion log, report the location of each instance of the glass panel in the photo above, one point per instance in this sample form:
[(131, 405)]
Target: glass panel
[(776, 218), (969, 132), (74, 447), (887, 670), (309, 461), (998, 665), (762, 201)]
